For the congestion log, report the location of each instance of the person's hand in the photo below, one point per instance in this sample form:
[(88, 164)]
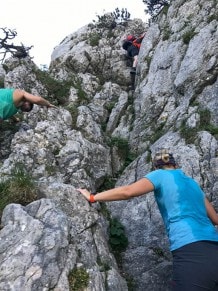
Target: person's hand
[(85, 193), (15, 119), (52, 106)]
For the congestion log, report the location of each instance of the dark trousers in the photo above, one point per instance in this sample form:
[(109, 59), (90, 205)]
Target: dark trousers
[(195, 267)]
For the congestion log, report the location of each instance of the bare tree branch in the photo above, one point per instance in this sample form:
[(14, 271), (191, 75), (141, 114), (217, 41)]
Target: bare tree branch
[(19, 51)]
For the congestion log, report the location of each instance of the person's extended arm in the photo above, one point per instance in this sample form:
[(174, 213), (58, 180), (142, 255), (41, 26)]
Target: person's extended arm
[(211, 212), (21, 95), (121, 193), (37, 100)]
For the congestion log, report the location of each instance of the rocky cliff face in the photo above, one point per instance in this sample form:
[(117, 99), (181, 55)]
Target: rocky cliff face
[(102, 133)]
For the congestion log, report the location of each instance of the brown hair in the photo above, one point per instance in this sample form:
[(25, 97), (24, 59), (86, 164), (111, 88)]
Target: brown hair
[(26, 106)]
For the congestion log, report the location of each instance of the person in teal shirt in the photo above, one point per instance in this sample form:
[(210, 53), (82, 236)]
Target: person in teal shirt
[(189, 218), (13, 100)]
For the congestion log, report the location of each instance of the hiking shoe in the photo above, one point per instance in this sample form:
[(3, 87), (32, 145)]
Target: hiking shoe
[(133, 71)]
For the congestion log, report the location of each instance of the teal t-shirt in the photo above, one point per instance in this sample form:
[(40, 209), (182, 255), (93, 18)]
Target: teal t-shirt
[(182, 205), (7, 108)]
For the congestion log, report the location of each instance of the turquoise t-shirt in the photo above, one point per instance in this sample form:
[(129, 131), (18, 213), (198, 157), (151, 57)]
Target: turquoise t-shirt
[(182, 205), (7, 108)]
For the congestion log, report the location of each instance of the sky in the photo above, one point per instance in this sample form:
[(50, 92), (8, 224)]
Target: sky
[(45, 23)]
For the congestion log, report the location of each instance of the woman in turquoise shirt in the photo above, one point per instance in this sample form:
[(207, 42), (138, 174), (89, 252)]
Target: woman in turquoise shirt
[(189, 219)]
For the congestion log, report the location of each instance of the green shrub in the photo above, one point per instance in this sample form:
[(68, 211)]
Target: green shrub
[(158, 132), (158, 251), (166, 33), (205, 122), (56, 88), (124, 152), (94, 39), (188, 133), (104, 266), (74, 113), (109, 183), (19, 188), (205, 117), (187, 36), (213, 17), (122, 145), (117, 238), (7, 128), (83, 99), (2, 84), (78, 279)]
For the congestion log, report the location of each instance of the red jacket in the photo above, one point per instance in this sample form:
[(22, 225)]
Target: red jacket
[(137, 42), (132, 40)]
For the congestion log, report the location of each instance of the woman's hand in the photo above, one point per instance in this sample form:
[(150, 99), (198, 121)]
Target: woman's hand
[(85, 193)]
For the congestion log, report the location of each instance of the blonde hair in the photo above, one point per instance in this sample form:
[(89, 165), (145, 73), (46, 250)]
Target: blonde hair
[(163, 157)]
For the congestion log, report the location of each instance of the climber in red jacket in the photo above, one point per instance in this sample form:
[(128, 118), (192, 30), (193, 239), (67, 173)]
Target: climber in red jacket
[(132, 45)]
